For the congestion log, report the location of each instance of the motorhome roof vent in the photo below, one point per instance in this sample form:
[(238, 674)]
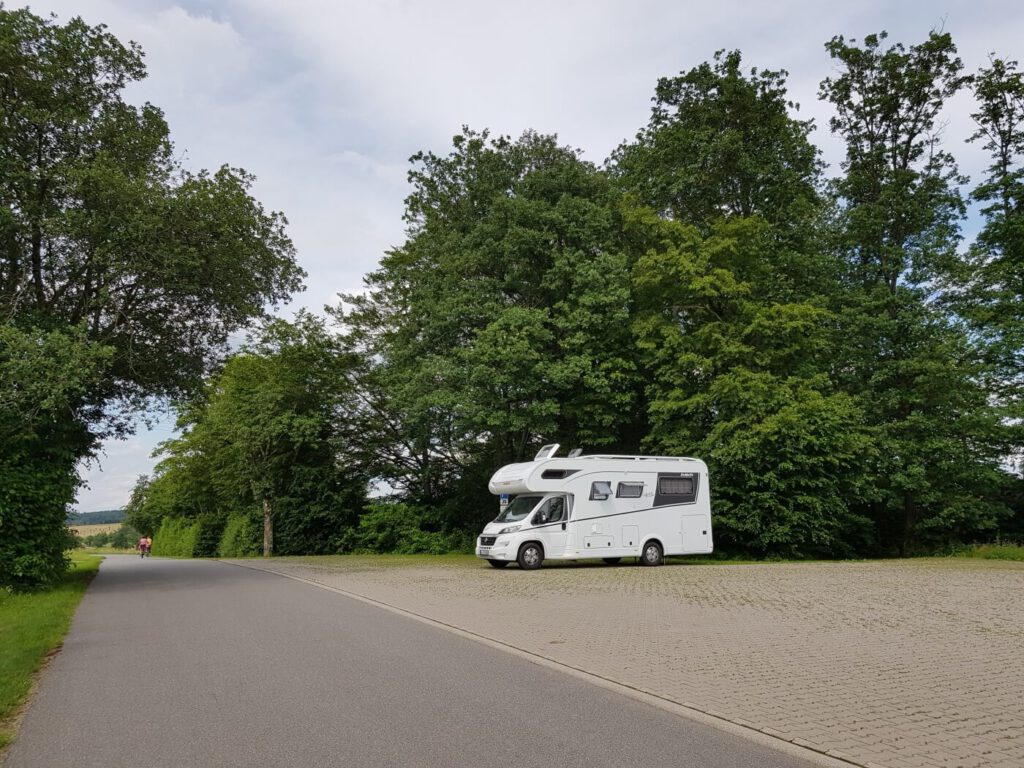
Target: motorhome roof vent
[(575, 452), (546, 452)]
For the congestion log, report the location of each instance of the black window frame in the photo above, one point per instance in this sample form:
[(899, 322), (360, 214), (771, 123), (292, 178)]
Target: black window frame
[(666, 499), (629, 484), (594, 491)]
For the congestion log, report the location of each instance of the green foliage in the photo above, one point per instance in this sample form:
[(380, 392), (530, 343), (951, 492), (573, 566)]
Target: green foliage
[(269, 427), (990, 292), (901, 202), (994, 552), (124, 537), (176, 537), (917, 374), (720, 142), (501, 322), (121, 273), (743, 382), (241, 537), (43, 378), (398, 529)]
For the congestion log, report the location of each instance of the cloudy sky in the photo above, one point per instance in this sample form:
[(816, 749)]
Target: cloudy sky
[(326, 100)]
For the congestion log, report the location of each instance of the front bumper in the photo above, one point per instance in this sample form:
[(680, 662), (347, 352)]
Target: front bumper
[(499, 550)]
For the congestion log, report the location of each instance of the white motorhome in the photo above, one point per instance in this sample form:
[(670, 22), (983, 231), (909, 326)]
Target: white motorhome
[(606, 507)]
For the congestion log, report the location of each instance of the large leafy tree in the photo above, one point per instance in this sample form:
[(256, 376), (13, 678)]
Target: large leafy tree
[(722, 142), (733, 315), (916, 375), (502, 322), (105, 238), (739, 375), (268, 433), (993, 296)]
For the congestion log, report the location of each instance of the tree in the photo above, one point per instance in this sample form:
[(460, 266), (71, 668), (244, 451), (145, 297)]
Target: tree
[(106, 239), (915, 373), (268, 432), (732, 310), (739, 374), (720, 143), (44, 377), (501, 323), (992, 296)]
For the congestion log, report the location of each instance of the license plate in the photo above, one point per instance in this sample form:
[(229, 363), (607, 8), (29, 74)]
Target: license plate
[(485, 551)]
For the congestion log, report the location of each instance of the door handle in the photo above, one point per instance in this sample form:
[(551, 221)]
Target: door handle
[(563, 526)]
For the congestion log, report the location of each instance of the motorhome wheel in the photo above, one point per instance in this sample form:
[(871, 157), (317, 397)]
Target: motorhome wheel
[(652, 554), (530, 556)]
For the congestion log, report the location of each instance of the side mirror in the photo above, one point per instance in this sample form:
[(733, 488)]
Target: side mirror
[(542, 517)]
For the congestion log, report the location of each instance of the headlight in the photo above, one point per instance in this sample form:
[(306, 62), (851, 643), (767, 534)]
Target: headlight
[(510, 529)]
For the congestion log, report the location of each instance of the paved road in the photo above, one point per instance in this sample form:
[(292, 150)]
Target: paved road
[(245, 668)]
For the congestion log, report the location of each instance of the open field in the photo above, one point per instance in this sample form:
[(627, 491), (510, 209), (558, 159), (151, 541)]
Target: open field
[(32, 626), (882, 663), (89, 530)]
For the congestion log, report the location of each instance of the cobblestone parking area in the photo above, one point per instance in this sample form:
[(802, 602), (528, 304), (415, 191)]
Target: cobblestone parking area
[(891, 663)]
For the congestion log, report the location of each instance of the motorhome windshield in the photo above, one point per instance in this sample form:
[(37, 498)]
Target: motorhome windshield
[(518, 509)]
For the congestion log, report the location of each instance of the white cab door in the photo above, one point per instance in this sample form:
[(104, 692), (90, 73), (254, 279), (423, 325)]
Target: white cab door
[(552, 519)]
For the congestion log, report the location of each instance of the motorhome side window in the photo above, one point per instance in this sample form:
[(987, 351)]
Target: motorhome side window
[(552, 511), (600, 490), (629, 490), (676, 489)]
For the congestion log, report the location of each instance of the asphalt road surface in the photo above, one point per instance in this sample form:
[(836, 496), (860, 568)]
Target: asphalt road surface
[(198, 663)]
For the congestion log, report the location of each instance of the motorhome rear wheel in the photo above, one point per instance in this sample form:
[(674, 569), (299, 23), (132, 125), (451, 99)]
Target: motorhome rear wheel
[(652, 554)]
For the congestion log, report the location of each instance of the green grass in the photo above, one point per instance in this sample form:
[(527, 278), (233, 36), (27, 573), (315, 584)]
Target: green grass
[(108, 551), (32, 626), (994, 552)]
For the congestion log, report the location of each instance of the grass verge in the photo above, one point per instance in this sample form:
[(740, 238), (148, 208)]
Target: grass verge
[(994, 552), (32, 627)]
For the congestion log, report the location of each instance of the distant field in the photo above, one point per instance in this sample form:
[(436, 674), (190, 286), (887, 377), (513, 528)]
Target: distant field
[(90, 530)]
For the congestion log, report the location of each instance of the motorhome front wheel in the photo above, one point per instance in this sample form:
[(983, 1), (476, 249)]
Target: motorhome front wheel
[(530, 556)]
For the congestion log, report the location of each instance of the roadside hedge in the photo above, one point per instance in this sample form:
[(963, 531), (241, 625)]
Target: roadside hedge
[(241, 537)]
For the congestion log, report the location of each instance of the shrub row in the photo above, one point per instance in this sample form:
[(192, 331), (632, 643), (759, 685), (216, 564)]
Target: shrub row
[(384, 528)]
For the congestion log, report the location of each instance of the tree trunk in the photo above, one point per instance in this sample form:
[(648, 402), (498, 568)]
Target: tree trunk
[(909, 523), (268, 529)]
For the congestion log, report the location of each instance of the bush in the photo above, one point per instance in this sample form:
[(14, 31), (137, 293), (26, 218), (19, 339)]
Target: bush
[(189, 537), (209, 529), (124, 537), (241, 537), (397, 528), (176, 537), (35, 491), (97, 540)]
